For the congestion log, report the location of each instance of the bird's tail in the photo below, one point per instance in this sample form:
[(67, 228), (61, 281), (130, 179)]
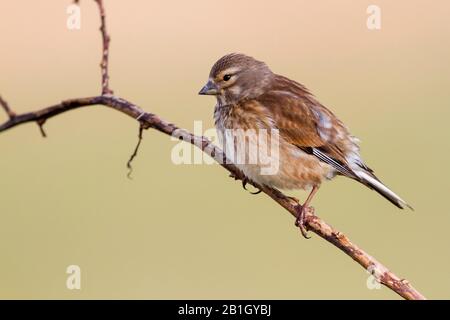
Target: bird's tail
[(371, 181)]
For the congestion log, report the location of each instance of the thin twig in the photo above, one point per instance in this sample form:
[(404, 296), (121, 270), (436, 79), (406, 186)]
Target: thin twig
[(135, 152), (147, 120), (11, 114), (40, 124), (106, 39)]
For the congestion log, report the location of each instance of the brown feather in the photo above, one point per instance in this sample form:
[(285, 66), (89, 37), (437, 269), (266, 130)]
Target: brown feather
[(303, 121)]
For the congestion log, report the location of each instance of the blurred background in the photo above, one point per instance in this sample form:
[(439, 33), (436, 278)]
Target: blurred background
[(189, 231)]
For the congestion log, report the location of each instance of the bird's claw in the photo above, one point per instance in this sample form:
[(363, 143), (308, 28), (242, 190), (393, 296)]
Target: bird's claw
[(245, 181), (300, 220), (234, 176)]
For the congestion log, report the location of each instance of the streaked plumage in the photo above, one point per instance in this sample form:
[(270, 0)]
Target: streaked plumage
[(314, 144)]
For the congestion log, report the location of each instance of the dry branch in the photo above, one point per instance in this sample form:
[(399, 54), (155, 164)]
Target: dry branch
[(149, 120), (7, 109), (105, 52)]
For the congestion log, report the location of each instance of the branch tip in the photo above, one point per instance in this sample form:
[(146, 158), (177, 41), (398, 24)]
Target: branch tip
[(135, 152), (40, 123), (106, 39), (11, 114)]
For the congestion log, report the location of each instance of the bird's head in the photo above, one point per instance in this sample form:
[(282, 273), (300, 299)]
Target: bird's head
[(235, 77)]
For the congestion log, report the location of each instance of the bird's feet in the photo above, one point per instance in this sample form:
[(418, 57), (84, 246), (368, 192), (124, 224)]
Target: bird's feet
[(245, 181), (300, 221)]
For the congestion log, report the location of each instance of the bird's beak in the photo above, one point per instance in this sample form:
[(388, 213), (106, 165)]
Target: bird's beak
[(209, 89)]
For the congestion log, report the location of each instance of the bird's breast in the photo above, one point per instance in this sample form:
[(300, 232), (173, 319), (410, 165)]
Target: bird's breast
[(252, 142)]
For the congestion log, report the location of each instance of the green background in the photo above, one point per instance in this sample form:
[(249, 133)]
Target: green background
[(189, 231)]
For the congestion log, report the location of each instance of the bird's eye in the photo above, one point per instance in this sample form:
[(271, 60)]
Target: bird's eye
[(227, 77)]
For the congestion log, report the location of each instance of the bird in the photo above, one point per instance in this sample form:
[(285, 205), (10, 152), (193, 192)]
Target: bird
[(314, 145)]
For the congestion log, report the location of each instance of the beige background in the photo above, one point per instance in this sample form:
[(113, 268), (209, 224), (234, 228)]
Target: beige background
[(190, 231)]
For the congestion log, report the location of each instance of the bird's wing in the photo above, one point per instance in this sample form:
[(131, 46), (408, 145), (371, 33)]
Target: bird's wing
[(305, 123)]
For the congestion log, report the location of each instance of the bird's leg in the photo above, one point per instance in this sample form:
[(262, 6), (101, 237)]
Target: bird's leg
[(301, 211)]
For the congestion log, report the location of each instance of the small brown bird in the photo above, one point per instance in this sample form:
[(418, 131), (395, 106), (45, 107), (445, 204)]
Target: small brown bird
[(314, 144)]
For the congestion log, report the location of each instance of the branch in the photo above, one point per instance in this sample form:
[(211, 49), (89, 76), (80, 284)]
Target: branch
[(149, 120), (11, 114), (313, 222), (105, 53)]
